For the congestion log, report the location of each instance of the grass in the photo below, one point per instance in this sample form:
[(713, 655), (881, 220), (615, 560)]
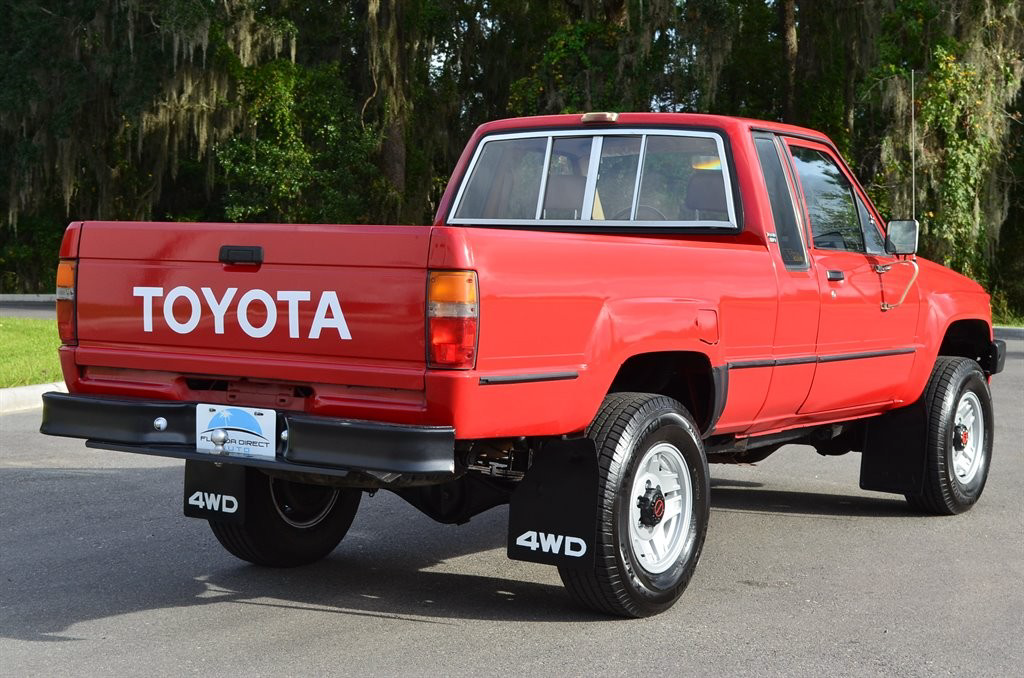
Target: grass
[(1007, 319), (29, 351)]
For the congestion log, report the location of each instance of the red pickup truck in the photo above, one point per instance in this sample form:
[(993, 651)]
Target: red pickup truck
[(604, 304)]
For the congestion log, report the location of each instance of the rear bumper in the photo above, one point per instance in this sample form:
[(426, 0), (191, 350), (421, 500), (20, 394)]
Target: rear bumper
[(321, 445)]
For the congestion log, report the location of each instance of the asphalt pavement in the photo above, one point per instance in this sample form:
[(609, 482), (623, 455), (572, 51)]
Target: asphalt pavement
[(803, 574)]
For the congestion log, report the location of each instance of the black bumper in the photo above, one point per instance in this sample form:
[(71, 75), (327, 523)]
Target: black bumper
[(321, 445), (997, 356)]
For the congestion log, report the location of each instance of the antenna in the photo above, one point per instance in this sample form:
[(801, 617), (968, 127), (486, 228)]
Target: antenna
[(913, 152)]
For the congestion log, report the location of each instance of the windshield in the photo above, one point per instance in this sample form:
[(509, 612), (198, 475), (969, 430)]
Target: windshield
[(637, 177)]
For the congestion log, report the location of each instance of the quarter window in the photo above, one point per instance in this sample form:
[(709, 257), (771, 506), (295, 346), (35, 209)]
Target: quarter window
[(872, 237), (791, 245)]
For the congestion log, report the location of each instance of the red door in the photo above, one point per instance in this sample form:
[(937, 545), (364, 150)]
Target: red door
[(863, 353)]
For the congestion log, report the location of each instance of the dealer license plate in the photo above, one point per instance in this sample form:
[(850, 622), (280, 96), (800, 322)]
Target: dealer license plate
[(246, 431)]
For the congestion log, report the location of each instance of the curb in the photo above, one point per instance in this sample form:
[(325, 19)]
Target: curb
[(21, 398), (27, 298), (1008, 332)]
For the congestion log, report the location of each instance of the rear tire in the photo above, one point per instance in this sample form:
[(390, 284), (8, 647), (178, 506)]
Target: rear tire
[(958, 407), (288, 524), (648, 450)]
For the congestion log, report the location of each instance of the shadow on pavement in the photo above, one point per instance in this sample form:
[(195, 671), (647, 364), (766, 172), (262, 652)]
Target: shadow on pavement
[(86, 544), (113, 542), (806, 503)]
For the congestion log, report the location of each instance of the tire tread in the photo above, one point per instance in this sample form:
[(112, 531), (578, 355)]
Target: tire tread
[(601, 588)]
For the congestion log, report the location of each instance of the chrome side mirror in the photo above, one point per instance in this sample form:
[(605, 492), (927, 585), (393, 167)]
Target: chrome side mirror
[(901, 236)]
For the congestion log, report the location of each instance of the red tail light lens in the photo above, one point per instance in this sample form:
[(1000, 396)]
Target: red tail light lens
[(453, 314), (66, 279)]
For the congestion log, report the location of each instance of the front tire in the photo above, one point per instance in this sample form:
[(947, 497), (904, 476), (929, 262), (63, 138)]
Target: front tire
[(958, 407), (288, 524), (652, 506)]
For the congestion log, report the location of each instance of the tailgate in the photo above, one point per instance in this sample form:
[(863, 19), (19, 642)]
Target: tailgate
[(332, 304)]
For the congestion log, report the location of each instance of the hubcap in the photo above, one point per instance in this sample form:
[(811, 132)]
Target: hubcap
[(652, 506), (968, 438), (302, 506), (661, 508)]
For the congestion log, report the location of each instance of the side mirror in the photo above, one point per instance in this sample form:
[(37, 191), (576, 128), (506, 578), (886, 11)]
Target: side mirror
[(901, 236)]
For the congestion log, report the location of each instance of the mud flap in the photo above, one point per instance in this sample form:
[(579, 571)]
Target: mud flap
[(552, 517), (215, 491), (894, 451)]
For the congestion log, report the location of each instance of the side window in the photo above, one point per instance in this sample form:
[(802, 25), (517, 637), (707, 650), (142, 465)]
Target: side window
[(791, 245), (872, 237), (506, 180), (835, 224)]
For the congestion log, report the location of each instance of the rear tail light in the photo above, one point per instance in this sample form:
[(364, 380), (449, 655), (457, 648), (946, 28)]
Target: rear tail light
[(453, 312), (67, 271)]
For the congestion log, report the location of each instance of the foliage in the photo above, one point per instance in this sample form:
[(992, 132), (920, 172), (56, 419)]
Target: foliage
[(357, 112), (303, 157), (951, 107), (967, 59), (30, 351)]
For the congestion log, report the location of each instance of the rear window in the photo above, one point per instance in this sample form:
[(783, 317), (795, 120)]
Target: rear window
[(629, 177)]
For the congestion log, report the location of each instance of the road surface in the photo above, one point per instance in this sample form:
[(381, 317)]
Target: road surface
[(803, 574)]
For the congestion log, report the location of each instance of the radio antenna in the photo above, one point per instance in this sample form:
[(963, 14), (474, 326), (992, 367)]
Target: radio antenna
[(913, 152)]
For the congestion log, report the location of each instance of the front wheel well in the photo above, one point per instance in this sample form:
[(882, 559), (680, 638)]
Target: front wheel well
[(968, 339), (684, 375)]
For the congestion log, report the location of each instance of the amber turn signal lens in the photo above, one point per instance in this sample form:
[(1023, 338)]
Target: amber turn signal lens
[(66, 279), (452, 287)]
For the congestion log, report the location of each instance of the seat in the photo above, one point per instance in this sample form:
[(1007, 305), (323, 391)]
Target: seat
[(705, 192), (564, 196)]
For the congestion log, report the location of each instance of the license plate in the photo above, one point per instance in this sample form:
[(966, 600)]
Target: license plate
[(245, 431)]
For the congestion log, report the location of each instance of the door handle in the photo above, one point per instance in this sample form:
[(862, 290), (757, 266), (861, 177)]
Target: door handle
[(835, 276), (251, 255)]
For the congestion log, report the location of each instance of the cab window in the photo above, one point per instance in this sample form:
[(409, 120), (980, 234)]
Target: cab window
[(835, 222)]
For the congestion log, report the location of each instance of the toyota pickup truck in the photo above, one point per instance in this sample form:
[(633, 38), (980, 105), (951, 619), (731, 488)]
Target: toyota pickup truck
[(603, 304)]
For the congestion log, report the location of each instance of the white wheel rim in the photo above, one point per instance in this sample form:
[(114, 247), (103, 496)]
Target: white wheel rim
[(657, 548), (969, 421)]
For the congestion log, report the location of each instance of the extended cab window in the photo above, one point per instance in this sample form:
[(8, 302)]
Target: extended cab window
[(835, 224), (628, 177), (791, 245)]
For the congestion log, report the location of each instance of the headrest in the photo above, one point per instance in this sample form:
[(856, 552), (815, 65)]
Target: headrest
[(706, 191), (564, 192)]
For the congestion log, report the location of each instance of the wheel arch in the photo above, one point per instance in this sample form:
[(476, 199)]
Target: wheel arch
[(969, 338), (686, 376)]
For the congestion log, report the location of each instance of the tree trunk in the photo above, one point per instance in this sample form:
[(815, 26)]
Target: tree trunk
[(387, 48), (787, 18)]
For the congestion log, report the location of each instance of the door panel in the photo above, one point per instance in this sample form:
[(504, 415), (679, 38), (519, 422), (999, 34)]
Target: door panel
[(863, 352)]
